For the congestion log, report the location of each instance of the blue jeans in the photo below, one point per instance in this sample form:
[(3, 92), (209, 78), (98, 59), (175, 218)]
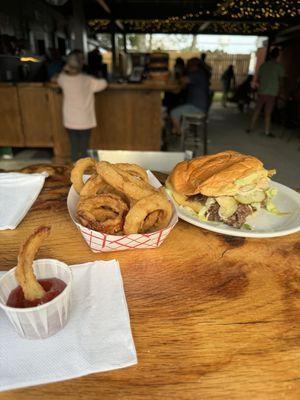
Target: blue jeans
[(79, 140)]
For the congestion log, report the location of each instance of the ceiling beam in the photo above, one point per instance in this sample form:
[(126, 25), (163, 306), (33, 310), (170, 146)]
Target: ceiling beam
[(106, 8), (204, 26)]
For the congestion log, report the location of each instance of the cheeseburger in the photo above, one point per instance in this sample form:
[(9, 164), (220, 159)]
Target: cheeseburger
[(225, 187)]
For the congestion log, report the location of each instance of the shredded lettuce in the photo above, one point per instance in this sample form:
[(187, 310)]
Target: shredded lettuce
[(254, 177), (201, 214), (248, 227), (271, 192), (257, 206), (270, 206)]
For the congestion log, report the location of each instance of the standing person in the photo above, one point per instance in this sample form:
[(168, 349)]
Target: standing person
[(95, 63), (227, 78), (179, 68), (206, 66), (197, 85), (172, 99), (78, 102), (208, 70), (54, 63), (270, 78)]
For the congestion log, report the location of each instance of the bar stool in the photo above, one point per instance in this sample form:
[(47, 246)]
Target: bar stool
[(194, 128)]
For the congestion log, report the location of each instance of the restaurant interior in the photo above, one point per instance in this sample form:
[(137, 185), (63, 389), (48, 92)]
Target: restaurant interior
[(134, 111), (122, 129)]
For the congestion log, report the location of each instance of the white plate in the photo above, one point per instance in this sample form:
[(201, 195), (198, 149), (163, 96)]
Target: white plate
[(263, 223)]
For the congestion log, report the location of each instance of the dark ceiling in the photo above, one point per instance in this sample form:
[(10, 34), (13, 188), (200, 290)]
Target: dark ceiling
[(256, 17)]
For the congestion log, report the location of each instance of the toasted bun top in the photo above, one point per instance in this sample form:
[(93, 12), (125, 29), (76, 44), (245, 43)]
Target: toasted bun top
[(214, 175)]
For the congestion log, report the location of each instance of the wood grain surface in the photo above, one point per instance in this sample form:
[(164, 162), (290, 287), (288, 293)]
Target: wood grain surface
[(36, 119), (10, 117), (213, 317)]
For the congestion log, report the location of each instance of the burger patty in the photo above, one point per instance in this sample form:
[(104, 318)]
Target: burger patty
[(239, 217), (198, 197), (236, 220)]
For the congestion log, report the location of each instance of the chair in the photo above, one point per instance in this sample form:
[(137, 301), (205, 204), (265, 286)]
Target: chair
[(155, 160), (191, 132)]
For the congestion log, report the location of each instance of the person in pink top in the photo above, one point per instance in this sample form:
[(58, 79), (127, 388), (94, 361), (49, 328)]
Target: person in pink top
[(79, 115)]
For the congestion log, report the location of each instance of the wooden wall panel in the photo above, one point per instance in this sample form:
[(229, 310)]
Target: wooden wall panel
[(11, 131), (61, 144), (128, 120), (37, 123)]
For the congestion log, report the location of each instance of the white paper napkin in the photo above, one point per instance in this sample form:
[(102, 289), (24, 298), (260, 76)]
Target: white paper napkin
[(17, 194), (96, 338)]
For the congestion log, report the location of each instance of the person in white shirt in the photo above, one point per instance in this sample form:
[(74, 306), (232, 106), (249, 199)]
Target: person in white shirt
[(79, 115)]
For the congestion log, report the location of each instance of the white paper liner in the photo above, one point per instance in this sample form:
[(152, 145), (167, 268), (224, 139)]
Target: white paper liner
[(102, 242), (44, 320)]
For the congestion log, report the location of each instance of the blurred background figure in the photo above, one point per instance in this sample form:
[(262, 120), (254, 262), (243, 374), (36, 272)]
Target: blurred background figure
[(95, 64), (78, 102), (179, 68), (54, 63), (243, 94), (270, 84), (205, 66), (173, 99), (197, 94), (228, 83), (208, 70)]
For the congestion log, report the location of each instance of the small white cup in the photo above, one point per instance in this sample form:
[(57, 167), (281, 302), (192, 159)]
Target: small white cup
[(45, 320)]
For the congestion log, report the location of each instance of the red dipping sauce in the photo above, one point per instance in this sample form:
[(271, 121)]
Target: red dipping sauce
[(52, 286)]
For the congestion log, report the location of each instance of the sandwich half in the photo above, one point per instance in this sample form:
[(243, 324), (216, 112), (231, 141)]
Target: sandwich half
[(225, 187)]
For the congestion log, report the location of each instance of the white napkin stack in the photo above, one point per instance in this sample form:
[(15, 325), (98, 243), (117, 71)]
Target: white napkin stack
[(17, 194), (97, 337)]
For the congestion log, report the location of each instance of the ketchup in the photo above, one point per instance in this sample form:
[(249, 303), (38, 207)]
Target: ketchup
[(52, 286)]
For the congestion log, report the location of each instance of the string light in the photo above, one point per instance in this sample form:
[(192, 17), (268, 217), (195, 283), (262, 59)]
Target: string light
[(248, 17)]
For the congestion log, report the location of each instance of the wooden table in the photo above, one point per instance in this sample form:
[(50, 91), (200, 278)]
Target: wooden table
[(213, 317)]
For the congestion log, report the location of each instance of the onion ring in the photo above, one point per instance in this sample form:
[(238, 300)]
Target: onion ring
[(104, 212), (24, 272), (136, 219), (94, 185), (134, 170), (150, 221), (78, 170), (124, 182)]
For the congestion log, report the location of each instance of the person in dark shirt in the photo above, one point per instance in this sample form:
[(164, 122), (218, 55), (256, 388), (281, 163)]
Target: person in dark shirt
[(95, 64), (197, 93), (55, 63), (179, 68), (205, 66), (242, 94), (227, 79)]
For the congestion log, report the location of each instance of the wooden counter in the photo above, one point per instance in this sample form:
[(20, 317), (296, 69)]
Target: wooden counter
[(128, 115), (213, 317)]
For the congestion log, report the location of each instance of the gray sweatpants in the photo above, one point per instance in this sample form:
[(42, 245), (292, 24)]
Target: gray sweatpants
[(79, 140)]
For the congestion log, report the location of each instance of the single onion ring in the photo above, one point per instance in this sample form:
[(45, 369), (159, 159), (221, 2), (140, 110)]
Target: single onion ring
[(150, 221), (124, 182), (94, 185), (78, 170), (134, 170), (104, 213), (24, 272), (137, 215)]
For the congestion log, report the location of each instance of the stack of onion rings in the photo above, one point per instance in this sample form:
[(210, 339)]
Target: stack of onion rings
[(118, 199)]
